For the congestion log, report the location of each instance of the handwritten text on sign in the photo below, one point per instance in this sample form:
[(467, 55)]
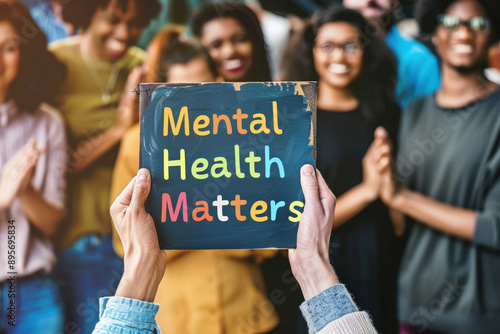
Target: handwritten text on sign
[(231, 158)]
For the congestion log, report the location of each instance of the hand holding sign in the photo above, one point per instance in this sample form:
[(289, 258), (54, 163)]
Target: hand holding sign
[(143, 258), (310, 260)]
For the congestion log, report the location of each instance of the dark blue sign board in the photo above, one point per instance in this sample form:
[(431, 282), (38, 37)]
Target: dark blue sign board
[(225, 161)]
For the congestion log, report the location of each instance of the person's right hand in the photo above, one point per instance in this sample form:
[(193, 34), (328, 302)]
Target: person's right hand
[(310, 260), (18, 172)]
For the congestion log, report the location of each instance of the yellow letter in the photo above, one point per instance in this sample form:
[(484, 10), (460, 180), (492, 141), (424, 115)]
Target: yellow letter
[(181, 163), (239, 174), (254, 211), (169, 117), (262, 124), (196, 125), (251, 160), (293, 210), (277, 130)]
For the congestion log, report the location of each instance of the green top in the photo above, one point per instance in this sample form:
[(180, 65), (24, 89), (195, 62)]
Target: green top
[(87, 112), (453, 156)]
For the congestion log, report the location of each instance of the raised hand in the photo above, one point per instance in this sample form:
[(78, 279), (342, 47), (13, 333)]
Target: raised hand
[(310, 260), (375, 161), (144, 261), (18, 172), (389, 186)]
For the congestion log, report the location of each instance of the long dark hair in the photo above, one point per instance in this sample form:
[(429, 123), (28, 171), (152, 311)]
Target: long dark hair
[(39, 75), (246, 17), (374, 87)]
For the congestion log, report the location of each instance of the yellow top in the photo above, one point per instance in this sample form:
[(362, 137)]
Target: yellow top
[(219, 291), (88, 111)]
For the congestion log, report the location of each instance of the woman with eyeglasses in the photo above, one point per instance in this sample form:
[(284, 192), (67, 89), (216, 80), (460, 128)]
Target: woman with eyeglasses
[(356, 75)]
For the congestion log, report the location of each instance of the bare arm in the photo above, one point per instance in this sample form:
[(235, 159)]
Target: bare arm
[(351, 203), (446, 218), (41, 213), (449, 219)]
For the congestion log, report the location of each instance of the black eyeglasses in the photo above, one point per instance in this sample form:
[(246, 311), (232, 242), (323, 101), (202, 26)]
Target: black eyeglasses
[(346, 48), (477, 24)]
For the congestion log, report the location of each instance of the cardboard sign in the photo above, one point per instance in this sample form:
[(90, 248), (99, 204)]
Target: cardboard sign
[(225, 162)]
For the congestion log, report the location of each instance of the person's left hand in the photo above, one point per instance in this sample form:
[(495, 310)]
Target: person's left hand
[(375, 161), (145, 263), (310, 260), (17, 173)]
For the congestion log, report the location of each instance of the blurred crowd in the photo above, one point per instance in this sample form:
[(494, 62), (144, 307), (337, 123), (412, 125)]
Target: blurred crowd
[(407, 138)]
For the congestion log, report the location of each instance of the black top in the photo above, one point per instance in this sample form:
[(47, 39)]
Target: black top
[(358, 248)]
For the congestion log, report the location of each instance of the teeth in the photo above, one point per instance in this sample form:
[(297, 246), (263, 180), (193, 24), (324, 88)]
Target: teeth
[(338, 68), (117, 45), (462, 48), (232, 64)]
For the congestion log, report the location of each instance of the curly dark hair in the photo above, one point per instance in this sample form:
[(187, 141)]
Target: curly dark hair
[(39, 75), (374, 87), (80, 12), (246, 17)]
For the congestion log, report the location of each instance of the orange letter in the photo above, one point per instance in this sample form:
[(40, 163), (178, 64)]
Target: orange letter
[(237, 203), (217, 119), (204, 210), (239, 117)]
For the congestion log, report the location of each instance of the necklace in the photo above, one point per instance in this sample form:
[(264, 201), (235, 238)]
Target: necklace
[(106, 89)]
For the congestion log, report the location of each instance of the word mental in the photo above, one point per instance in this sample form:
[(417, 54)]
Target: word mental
[(202, 122)]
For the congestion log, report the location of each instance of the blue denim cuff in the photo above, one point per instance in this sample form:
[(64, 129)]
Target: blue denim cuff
[(331, 304), (125, 315)]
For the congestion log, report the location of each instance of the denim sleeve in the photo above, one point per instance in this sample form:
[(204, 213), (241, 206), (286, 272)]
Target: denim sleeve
[(331, 304), (126, 316)]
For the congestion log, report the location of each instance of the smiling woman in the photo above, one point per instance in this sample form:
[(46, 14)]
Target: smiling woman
[(97, 105), (232, 34), (356, 77)]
